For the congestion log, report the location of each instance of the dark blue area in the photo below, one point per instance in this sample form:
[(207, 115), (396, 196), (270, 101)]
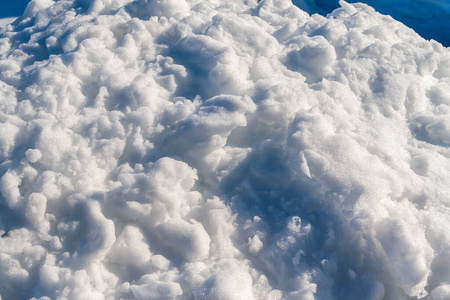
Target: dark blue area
[(12, 8)]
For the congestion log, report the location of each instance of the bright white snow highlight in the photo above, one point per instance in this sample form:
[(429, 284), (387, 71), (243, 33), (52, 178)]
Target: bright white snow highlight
[(221, 150)]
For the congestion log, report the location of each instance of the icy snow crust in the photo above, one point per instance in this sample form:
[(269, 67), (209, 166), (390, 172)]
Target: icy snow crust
[(222, 150)]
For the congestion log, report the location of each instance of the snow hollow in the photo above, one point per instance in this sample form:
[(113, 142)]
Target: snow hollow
[(241, 149)]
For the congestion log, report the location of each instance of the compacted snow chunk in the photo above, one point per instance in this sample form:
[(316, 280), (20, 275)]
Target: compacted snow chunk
[(214, 149)]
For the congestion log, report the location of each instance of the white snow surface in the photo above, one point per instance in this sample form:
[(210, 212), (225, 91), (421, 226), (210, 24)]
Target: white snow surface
[(206, 149)]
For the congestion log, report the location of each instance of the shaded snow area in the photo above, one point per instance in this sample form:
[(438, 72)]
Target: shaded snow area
[(188, 149)]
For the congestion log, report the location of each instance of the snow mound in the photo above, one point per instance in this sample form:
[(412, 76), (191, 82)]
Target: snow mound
[(221, 150)]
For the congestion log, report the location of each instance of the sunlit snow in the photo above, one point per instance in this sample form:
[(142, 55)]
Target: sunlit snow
[(240, 149)]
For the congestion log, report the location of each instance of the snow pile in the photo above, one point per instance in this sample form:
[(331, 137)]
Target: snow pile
[(429, 18), (221, 150)]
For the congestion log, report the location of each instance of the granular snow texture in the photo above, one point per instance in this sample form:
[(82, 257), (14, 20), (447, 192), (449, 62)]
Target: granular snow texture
[(192, 149)]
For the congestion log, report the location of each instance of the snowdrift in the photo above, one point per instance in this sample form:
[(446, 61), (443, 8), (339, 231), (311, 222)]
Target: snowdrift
[(221, 150)]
